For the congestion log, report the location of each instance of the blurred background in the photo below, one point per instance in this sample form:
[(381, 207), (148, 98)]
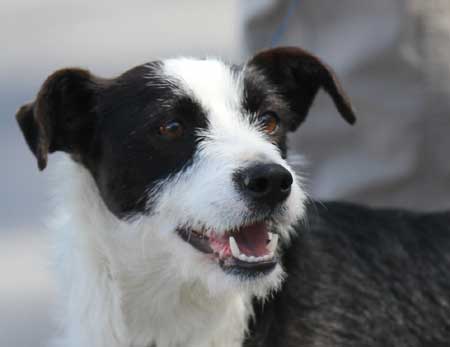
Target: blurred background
[(392, 56)]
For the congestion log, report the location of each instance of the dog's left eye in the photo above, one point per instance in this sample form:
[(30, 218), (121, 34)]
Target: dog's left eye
[(269, 121), (172, 129)]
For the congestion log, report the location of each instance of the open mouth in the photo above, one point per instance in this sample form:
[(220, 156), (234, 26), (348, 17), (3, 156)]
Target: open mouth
[(249, 250)]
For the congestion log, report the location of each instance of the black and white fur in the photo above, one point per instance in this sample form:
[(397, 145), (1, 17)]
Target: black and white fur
[(344, 275)]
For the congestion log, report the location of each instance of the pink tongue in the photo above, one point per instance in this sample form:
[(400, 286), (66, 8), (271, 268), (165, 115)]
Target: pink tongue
[(252, 240)]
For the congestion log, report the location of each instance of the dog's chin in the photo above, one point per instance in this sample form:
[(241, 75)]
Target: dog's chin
[(247, 252)]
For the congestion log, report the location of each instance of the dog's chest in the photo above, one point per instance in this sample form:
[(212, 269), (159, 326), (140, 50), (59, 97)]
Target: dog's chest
[(186, 318)]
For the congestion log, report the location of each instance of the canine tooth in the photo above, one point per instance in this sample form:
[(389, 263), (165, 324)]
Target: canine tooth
[(234, 247), (270, 236), (272, 245)]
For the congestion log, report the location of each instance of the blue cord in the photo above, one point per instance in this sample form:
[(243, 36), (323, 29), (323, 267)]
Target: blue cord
[(283, 26)]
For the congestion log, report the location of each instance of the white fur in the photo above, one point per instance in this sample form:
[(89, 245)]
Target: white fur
[(134, 283)]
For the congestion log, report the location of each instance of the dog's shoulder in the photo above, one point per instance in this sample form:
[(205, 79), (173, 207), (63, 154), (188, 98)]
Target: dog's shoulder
[(359, 276), (363, 233)]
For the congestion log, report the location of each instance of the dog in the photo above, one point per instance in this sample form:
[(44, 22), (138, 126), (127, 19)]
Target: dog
[(181, 223)]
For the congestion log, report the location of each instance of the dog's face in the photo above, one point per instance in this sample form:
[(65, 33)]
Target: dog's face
[(193, 149)]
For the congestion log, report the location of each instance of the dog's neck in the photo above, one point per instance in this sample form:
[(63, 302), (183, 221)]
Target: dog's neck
[(116, 296)]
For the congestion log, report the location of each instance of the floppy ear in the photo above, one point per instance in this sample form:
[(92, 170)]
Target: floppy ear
[(62, 118), (298, 75)]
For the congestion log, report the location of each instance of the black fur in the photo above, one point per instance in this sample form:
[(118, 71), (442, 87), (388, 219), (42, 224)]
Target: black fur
[(298, 75), (111, 126), (361, 277), (286, 80), (61, 118), (129, 154)]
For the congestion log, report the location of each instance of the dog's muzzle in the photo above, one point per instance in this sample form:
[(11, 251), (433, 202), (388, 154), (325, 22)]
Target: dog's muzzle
[(250, 248)]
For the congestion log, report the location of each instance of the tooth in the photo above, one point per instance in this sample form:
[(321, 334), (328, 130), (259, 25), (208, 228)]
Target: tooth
[(270, 236), (252, 259), (243, 257), (234, 247), (272, 245)]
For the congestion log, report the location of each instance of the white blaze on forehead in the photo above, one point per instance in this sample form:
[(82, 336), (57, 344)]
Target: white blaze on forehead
[(212, 83), (219, 91)]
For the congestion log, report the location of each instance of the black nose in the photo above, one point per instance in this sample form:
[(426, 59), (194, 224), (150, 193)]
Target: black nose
[(266, 183)]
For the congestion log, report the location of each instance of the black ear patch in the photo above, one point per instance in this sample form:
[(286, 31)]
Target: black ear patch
[(62, 118), (298, 75)]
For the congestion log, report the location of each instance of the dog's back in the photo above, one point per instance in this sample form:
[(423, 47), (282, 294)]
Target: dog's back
[(362, 277)]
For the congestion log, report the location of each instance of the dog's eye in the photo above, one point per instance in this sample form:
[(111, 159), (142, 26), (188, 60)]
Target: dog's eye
[(269, 121), (172, 129)]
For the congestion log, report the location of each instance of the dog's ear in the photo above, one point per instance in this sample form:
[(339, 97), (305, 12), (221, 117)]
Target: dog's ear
[(62, 118), (298, 75)]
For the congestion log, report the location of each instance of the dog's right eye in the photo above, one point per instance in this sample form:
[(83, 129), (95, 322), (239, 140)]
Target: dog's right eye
[(171, 130)]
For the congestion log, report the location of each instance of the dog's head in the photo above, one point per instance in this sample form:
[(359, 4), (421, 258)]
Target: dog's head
[(194, 149)]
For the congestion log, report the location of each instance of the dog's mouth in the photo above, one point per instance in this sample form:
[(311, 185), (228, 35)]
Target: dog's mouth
[(248, 250)]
